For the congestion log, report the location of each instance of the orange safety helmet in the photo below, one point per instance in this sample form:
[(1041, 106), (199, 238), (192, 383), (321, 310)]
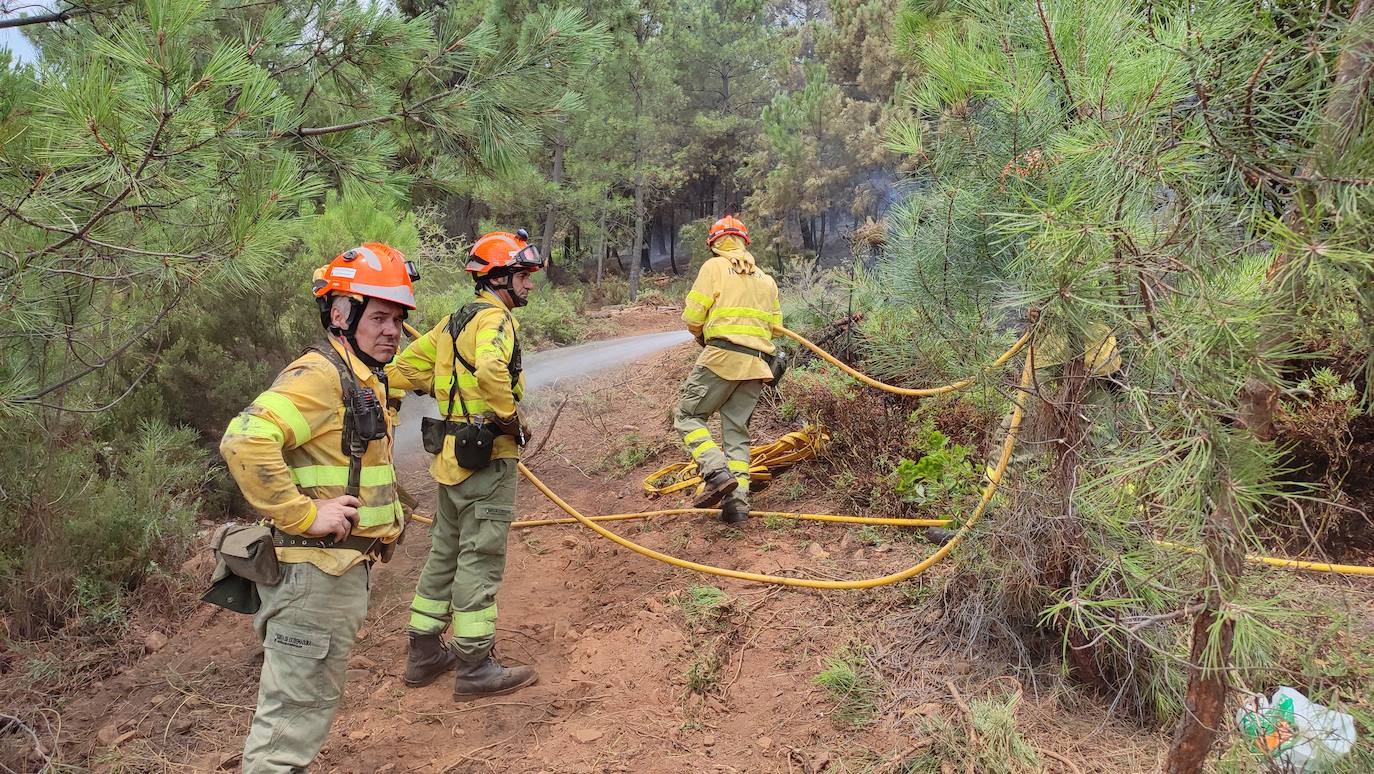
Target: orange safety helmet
[(499, 253), (371, 270), (727, 226)]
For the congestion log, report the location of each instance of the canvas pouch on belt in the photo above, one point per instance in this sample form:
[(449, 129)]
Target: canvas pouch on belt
[(244, 557)]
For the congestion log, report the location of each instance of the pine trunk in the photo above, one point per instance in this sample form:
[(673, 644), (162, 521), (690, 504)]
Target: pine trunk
[(672, 239), (1204, 703), (601, 244), (635, 262), (555, 177)]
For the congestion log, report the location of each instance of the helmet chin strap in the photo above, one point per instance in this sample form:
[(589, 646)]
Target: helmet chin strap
[(511, 299), (371, 362)]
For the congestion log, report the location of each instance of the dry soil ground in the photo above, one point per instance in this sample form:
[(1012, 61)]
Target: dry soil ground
[(635, 676)]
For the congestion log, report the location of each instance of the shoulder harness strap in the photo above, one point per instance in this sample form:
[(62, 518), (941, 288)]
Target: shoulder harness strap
[(353, 448), (460, 320)]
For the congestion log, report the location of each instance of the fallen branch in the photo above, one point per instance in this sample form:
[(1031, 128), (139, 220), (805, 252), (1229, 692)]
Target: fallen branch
[(1068, 764), (972, 727), (547, 433)]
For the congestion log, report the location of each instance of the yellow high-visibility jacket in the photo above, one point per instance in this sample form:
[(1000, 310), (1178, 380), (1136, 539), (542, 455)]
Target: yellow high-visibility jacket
[(488, 343), (733, 299), (285, 450)]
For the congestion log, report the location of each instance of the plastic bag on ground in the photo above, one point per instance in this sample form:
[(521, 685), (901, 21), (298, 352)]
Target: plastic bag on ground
[(1296, 734)]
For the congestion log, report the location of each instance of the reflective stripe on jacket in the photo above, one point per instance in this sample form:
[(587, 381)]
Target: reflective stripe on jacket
[(285, 450), (488, 343), (733, 299)]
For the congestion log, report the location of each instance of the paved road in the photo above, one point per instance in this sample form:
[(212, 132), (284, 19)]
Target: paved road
[(550, 368)]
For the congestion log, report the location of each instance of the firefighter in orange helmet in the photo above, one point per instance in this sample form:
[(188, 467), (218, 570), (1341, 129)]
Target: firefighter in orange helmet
[(731, 310), (470, 362), (314, 454)]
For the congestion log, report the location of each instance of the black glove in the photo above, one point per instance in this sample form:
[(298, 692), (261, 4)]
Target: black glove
[(701, 339)]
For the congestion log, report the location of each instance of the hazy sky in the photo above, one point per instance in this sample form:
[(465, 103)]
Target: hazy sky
[(13, 38)]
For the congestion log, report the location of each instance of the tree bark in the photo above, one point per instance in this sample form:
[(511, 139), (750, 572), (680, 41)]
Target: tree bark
[(601, 243), (1204, 703), (43, 18), (820, 243), (555, 177), (635, 261), (672, 239)]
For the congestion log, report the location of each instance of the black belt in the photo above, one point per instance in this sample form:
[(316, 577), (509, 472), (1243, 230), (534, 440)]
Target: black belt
[(731, 346), (358, 543)]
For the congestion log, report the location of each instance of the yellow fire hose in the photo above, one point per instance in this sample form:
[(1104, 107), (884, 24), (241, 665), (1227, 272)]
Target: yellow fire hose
[(832, 518), (798, 446), (923, 392), (988, 491), (764, 461), (1291, 564)]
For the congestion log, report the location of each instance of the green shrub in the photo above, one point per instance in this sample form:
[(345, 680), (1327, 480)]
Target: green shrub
[(86, 523), (553, 316), (704, 606), (630, 451), (359, 215), (704, 672), (942, 472)]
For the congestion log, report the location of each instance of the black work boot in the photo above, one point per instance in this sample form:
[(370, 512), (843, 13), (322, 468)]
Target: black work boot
[(489, 678), (428, 658), (939, 536), (719, 483), (734, 512)]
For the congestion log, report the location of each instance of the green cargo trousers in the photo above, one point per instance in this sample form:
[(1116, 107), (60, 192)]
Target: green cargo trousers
[(703, 394), (307, 623), (467, 559)]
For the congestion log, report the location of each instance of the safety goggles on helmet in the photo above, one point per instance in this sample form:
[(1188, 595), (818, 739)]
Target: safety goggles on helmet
[(526, 259), (500, 253)]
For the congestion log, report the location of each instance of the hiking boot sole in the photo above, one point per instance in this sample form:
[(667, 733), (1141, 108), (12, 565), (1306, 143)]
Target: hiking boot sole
[(534, 678), (712, 498)]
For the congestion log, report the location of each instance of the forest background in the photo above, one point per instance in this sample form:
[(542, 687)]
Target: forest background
[(1194, 178)]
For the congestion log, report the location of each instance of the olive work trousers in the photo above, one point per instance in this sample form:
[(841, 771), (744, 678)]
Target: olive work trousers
[(467, 560), (703, 394), (308, 623)]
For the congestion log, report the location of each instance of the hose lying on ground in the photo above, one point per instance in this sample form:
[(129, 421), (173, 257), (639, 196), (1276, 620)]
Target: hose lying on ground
[(988, 491), (764, 462), (798, 446), (910, 392)]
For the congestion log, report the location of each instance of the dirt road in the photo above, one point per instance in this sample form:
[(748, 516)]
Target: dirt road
[(552, 368)]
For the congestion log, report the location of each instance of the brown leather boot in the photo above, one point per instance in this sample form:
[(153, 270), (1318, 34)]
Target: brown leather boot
[(734, 512), (428, 658), (719, 483), (489, 678)]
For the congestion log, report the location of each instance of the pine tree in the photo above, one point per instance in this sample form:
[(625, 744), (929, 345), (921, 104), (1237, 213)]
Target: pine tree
[(176, 144), (1197, 179)]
